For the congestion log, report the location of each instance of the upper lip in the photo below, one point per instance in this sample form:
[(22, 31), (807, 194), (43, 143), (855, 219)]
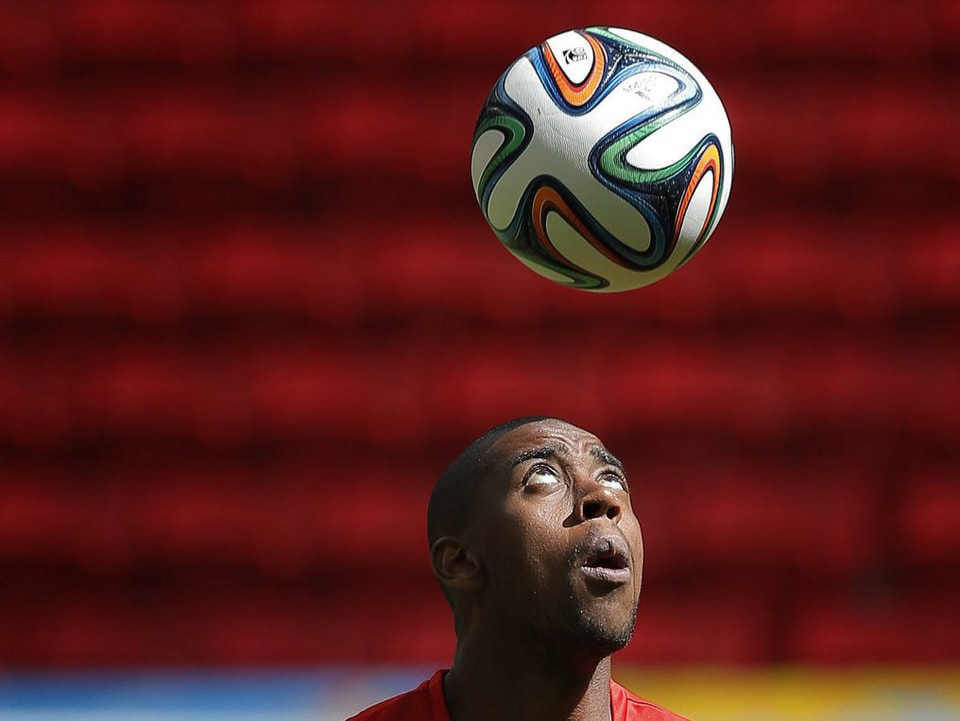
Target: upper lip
[(608, 551)]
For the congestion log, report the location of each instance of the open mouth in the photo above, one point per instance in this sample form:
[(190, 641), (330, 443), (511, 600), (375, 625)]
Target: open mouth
[(608, 562)]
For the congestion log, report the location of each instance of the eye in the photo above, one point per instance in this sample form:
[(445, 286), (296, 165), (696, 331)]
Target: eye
[(541, 476), (614, 480)]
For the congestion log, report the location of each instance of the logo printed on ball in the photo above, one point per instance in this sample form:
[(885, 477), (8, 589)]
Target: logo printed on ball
[(576, 60), (655, 87), (575, 55)]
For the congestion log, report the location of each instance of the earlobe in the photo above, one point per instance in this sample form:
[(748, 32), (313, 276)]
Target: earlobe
[(455, 565)]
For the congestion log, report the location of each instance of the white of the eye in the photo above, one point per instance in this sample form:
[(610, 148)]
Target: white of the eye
[(613, 482), (542, 478)]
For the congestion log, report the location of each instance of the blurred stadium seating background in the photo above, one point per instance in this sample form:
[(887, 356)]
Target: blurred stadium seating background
[(249, 309)]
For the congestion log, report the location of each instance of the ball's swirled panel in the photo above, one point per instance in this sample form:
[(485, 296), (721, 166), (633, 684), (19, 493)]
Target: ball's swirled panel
[(602, 159)]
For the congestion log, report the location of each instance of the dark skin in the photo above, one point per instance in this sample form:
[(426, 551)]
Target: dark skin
[(545, 578)]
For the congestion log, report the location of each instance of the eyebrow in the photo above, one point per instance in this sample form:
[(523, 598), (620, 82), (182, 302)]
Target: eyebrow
[(606, 456), (553, 451), (549, 451)]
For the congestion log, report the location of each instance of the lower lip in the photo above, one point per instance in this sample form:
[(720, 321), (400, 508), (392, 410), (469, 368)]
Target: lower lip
[(612, 576)]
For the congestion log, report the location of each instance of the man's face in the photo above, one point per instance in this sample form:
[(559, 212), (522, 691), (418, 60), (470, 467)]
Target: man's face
[(561, 548)]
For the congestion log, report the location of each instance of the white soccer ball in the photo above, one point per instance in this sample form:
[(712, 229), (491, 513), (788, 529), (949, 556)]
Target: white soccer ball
[(602, 159)]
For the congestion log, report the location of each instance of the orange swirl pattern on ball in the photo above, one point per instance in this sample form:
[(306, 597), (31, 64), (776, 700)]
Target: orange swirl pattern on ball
[(579, 94), (709, 161), (547, 200)]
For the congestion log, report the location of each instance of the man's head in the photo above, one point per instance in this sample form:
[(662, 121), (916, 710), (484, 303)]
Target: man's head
[(532, 533)]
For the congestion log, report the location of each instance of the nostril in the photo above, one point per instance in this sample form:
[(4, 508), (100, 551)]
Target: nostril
[(591, 509), (613, 512)]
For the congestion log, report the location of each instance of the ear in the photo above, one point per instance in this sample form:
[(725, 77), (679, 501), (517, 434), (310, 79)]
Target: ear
[(455, 565)]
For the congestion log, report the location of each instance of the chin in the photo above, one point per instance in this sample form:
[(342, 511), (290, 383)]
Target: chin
[(609, 640), (606, 632)]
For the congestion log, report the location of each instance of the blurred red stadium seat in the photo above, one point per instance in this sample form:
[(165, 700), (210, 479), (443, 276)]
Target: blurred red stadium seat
[(930, 277), (339, 33), (34, 134), (837, 30), (142, 390), (54, 517), (28, 42), (36, 520), (35, 412), (821, 522), (75, 270), (926, 517), (146, 30), (713, 627), (912, 628), (284, 523), (277, 269)]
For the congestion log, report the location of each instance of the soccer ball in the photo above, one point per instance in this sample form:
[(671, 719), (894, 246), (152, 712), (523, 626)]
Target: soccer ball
[(602, 159)]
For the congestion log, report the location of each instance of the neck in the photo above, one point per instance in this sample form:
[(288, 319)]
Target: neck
[(493, 680)]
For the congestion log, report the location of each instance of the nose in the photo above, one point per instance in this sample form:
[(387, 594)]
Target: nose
[(599, 502)]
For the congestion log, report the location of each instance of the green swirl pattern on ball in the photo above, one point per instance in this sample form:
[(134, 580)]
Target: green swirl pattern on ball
[(501, 113), (612, 161), (515, 133), (613, 157)]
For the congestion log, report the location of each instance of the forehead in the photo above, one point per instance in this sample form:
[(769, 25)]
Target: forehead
[(543, 433)]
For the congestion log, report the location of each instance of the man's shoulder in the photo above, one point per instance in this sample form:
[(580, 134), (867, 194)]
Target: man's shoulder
[(424, 703), (627, 706)]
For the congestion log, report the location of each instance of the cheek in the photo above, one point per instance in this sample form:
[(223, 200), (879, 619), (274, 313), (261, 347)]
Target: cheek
[(530, 537), (631, 529)]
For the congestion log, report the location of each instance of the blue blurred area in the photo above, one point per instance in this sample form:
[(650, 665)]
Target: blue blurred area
[(333, 694), (199, 694)]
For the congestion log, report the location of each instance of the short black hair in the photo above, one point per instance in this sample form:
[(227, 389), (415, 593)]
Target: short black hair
[(450, 499)]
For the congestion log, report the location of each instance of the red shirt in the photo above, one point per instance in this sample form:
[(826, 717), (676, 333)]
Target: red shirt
[(426, 703)]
